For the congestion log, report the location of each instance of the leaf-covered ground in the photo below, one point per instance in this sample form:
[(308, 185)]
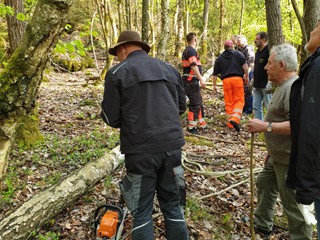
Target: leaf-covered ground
[(69, 107)]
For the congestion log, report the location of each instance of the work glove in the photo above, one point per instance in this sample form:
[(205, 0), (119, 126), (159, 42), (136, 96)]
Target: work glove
[(307, 213), (269, 87)]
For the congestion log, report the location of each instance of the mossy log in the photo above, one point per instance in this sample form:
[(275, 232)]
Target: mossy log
[(42, 207), (20, 80)]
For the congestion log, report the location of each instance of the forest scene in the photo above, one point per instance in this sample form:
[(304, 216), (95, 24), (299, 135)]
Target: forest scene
[(59, 161)]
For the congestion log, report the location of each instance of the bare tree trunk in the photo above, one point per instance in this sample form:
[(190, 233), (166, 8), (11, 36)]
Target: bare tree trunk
[(128, 14), (274, 22), (145, 21), (16, 27), (42, 207), (311, 16), (241, 17), (161, 53), (205, 27), (302, 53), (221, 22), (21, 79), (119, 15), (179, 41), (186, 17)]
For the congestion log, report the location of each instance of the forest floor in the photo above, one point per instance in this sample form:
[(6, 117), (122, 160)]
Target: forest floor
[(69, 108)]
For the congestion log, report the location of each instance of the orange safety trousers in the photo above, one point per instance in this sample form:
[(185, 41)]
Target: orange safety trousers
[(234, 98)]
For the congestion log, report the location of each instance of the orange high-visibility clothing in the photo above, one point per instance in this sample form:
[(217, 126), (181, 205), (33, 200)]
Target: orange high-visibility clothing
[(234, 98)]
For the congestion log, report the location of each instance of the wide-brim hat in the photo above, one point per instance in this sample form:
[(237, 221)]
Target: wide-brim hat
[(129, 37)]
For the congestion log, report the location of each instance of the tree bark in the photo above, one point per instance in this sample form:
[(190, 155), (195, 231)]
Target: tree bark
[(128, 14), (274, 22), (42, 207), (145, 21), (178, 50), (161, 53), (241, 17), (16, 27), (310, 16), (205, 27), (20, 80)]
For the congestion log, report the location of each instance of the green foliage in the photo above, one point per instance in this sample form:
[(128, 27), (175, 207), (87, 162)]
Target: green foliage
[(4, 10), (49, 236), (195, 211)]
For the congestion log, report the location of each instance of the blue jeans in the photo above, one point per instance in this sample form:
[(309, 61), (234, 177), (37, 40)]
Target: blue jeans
[(317, 208), (260, 95)]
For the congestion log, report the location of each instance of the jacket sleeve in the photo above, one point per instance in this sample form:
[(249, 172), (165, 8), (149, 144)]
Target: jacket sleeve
[(181, 96), (110, 106)]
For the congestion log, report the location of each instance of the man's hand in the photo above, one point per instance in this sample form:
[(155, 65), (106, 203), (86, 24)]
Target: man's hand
[(245, 80), (202, 82), (307, 213), (215, 89), (256, 125)]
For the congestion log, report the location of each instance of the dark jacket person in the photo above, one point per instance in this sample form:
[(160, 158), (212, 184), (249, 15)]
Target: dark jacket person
[(144, 97)]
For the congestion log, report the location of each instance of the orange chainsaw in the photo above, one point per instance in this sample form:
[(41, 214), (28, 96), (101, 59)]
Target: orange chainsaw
[(109, 220)]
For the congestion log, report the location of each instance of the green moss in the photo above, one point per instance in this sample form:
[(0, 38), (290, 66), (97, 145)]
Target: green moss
[(28, 133), (199, 141)]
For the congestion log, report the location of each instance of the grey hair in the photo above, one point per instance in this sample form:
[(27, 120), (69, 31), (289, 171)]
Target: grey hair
[(242, 39), (287, 54)]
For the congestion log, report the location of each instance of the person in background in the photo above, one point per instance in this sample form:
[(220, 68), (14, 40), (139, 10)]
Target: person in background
[(304, 164), (233, 70), (261, 87), (248, 52), (192, 78), (281, 70), (234, 39), (144, 97)]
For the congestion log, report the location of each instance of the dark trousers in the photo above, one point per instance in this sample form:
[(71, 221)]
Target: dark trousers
[(192, 90), (161, 173)]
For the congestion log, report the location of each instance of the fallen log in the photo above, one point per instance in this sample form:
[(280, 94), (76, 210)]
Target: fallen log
[(37, 211)]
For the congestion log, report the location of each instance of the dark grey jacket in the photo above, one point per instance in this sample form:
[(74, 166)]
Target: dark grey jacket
[(144, 97), (304, 164)]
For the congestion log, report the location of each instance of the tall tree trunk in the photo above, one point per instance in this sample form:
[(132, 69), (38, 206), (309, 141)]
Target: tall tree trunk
[(161, 53), (241, 17), (42, 207), (128, 15), (205, 27), (145, 21), (311, 17), (16, 27), (119, 15), (221, 22), (302, 53), (20, 80), (274, 22), (186, 17), (179, 41)]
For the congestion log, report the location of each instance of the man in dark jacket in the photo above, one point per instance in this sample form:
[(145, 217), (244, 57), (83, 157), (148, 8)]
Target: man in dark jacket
[(233, 70), (144, 97), (261, 87), (304, 165)]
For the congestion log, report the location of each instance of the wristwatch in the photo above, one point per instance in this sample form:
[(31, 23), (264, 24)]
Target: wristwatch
[(269, 128)]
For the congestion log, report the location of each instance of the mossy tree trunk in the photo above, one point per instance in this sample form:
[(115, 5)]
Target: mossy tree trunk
[(20, 80)]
